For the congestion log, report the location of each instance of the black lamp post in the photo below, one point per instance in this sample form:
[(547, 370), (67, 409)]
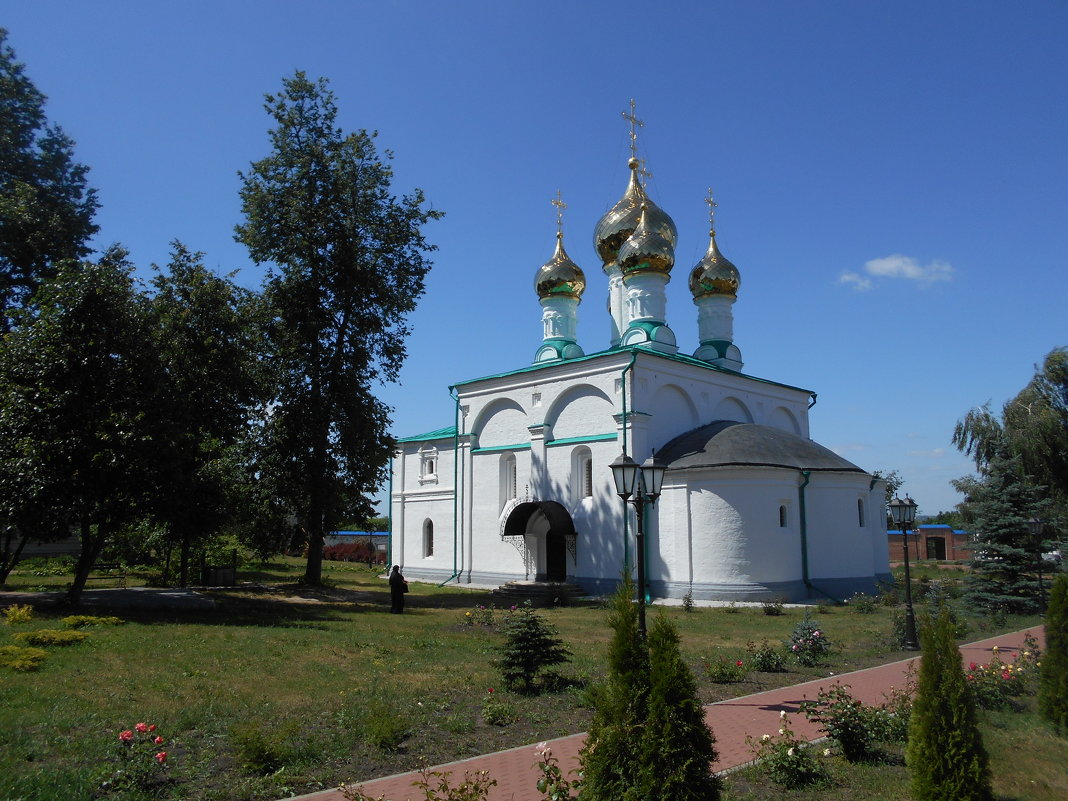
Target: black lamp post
[(1036, 524), (904, 512), (639, 486)]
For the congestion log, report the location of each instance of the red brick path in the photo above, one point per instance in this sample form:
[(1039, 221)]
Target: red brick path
[(730, 720)]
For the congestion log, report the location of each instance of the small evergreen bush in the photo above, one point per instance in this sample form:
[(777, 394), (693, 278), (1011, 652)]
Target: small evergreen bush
[(530, 645), (1053, 680), (945, 753), (23, 660), (687, 602), (83, 621), (53, 637), (18, 614)]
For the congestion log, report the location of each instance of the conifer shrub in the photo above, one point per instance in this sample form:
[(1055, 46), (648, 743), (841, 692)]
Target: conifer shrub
[(530, 645), (23, 660), (18, 613), (808, 642), (84, 621), (611, 755), (47, 637), (648, 740), (678, 747), (945, 754), (1053, 676)]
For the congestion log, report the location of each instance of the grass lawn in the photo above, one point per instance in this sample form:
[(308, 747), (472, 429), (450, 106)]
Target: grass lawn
[(282, 689)]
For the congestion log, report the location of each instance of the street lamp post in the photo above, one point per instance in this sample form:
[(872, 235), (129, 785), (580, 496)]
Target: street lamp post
[(904, 512), (639, 486)]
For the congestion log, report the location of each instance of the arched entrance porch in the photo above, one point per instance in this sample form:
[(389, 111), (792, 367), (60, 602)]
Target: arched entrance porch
[(548, 527)]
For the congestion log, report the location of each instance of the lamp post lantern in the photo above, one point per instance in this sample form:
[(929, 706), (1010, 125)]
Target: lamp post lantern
[(904, 512), (639, 486)]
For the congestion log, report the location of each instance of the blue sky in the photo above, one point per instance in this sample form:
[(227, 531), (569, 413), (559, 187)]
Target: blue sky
[(892, 178)]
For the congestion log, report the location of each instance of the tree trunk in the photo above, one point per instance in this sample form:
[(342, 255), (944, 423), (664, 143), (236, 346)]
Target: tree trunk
[(183, 569), (10, 559), (91, 548)]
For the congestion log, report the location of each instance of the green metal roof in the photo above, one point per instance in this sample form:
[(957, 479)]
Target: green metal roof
[(677, 357), (438, 433)]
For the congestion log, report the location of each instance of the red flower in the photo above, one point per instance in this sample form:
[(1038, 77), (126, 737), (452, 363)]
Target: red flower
[(141, 727), (972, 666), (161, 757), (152, 727), (739, 663), (158, 740), (491, 689), (126, 736), (1006, 675), (970, 677)]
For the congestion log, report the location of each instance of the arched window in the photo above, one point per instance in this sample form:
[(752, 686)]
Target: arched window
[(581, 473), (508, 481), (860, 511), (428, 539), (782, 516), (428, 465)]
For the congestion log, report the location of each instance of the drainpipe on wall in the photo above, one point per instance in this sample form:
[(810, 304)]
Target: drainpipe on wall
[(626, 515), (455, 486), (389, 516)]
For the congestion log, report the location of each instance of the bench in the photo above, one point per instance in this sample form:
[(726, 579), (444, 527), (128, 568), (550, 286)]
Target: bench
[(110, 572)]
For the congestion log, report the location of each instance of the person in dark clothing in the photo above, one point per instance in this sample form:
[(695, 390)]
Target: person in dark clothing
[(397, 587)]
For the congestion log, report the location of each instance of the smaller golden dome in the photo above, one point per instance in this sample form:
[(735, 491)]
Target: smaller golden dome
[(559, 276), (619, 222), (714, 274), (647, 250)]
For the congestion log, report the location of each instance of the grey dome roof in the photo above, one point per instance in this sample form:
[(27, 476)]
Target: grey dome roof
[(729, 443)]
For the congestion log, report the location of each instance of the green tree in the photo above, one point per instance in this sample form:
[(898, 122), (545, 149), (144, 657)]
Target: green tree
[(1033, 428), (46, 206), (206, 333), (945, 754), (81, 405), (530, 645), (349, 261), (1053, 685), (1006, 556), (677, 747), (611, 757)]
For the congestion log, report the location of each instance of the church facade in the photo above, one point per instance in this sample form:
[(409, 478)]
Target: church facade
[(519, 487)]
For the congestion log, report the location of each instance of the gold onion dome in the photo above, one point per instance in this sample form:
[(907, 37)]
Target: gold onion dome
[(647, 250), (620, 221), (714, 274), (559, 276)]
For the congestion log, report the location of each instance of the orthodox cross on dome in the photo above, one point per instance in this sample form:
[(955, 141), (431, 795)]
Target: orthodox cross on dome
[(644, 172), (711, 212), (635, 123), (560, 206)]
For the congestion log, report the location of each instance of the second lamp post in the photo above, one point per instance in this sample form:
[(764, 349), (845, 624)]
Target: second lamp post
[(639, 485), (904, 512)]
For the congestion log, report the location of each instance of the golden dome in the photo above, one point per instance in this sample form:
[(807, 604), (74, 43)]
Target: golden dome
[(620, 221), (714, 274), (647, 250), (559, 276)]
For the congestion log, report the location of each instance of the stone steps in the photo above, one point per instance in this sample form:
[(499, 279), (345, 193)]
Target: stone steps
[(539, 593)]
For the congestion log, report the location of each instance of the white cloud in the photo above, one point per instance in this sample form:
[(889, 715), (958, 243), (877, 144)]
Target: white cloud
[(897, 266), (932, 454)]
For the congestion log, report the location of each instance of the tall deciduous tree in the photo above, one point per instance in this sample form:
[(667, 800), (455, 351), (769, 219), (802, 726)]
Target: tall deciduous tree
[(348, 260), (1033, 428), (81, 405), (46, 205), (205, 330)]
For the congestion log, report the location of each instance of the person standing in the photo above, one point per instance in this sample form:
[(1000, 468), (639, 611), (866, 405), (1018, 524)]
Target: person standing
[(397, 587)]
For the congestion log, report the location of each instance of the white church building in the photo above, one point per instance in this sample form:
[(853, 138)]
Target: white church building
[(519, 487)]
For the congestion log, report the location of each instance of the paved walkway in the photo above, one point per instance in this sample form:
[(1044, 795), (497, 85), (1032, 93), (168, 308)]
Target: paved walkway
[(730, 720)]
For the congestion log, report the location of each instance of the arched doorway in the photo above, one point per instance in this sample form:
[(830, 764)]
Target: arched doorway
[(549, 525)]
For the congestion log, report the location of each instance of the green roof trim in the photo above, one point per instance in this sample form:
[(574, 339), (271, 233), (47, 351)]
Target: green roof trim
[(497, 448), (579, 440), (438, 433), (677, 357)]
